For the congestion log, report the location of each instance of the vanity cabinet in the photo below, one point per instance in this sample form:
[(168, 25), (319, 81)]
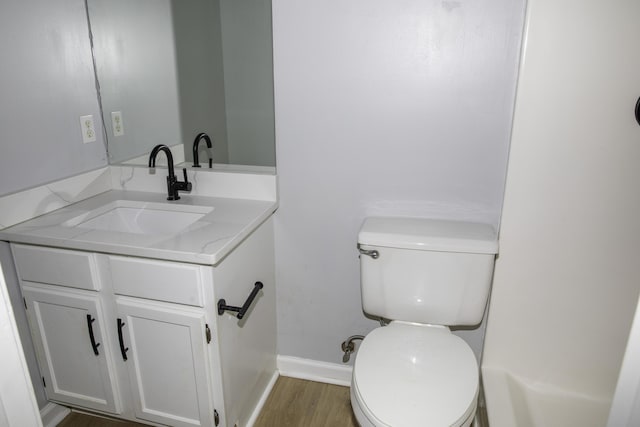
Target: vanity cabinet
[(68, 328), (141, 339), (165, 350)]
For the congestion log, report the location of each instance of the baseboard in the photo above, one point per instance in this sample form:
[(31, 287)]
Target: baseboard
[(263, 399), (314, 370), (52, 414)]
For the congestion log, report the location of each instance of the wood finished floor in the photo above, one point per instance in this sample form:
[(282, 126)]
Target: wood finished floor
[(300, 403), (76, 419), (292, 403)]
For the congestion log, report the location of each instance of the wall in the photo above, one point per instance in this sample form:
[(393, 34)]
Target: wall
[(382, 108), (625, 407), (17, 403), (15, 298), (566, 282), (248, 81), (48, 84)]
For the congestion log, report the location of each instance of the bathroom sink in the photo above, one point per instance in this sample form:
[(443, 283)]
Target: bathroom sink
[(126, 216)]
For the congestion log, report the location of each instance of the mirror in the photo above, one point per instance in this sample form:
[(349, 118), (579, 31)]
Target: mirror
[(168, 70)]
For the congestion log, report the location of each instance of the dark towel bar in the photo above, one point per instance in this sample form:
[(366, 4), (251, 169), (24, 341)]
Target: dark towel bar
[(222, 304)]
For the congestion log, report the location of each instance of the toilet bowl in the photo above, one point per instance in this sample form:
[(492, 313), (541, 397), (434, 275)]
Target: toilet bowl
[(424, 275), (409, 375)]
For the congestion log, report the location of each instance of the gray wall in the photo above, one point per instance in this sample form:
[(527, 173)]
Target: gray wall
[(46, 84), (382, 108)]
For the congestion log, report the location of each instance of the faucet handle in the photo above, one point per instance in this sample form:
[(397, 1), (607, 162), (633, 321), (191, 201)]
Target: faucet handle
[(187, 184)]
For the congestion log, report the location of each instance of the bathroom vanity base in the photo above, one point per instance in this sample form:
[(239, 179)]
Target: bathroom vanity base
[(141, 339)]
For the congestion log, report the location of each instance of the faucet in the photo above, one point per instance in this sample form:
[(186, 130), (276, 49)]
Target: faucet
[(196, 143), (173, 185)]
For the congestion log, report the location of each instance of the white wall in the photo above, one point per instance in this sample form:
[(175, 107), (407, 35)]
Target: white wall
[(10, 278), (17, 403), (625, 407), (47, 84), (386, 108), (567, 279)]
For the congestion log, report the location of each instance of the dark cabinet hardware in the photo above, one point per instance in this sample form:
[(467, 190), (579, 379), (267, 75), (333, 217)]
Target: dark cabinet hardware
[(207, 333), (94, 344), (222, 304), (123, 349), (638, 111)]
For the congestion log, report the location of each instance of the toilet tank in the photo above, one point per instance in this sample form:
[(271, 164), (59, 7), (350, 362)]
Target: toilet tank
[(426, 271)]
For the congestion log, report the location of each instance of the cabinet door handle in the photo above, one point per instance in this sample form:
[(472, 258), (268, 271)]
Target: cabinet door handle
[(94, 344), (123, 349)]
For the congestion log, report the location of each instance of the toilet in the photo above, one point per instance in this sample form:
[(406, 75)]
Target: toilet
[(423, 276)]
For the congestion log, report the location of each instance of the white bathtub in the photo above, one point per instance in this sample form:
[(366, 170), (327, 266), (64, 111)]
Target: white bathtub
[(520, 402)]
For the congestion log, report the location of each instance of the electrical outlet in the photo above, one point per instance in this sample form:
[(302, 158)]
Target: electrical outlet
[(116, 123), (88, 129)]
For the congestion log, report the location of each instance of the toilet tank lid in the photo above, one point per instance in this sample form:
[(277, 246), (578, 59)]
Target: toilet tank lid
[(429, 235)]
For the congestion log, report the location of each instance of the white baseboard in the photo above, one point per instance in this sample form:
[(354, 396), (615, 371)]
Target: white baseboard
[(263, 399), (52, 414), (314, 370)]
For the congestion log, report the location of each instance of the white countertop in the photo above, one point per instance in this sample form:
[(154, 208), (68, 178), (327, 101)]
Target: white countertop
[(206, 241)]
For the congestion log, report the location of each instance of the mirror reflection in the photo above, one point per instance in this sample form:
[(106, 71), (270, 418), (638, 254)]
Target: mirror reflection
[(169, 70)]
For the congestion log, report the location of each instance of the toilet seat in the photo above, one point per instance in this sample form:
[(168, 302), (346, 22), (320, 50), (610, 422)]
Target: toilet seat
[(410, 375)]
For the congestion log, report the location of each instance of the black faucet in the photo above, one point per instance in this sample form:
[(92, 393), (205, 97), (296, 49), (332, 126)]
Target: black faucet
[(173, 185), (196, 142)]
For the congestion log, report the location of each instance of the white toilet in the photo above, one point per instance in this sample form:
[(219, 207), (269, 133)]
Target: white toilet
[(423, 275)]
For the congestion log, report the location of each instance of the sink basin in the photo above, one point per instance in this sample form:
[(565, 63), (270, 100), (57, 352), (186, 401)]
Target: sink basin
[(140, 217)]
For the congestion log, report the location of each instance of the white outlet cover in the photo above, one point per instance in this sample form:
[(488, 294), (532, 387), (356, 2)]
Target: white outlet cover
[(116, 123), (88, 129)]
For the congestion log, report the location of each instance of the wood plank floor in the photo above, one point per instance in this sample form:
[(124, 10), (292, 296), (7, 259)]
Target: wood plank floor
[(76, 419), (292, 403), (300, 403)]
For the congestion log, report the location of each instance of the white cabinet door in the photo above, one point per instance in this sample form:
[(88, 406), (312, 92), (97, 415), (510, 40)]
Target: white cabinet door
[(76, 367), (165, 350)]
